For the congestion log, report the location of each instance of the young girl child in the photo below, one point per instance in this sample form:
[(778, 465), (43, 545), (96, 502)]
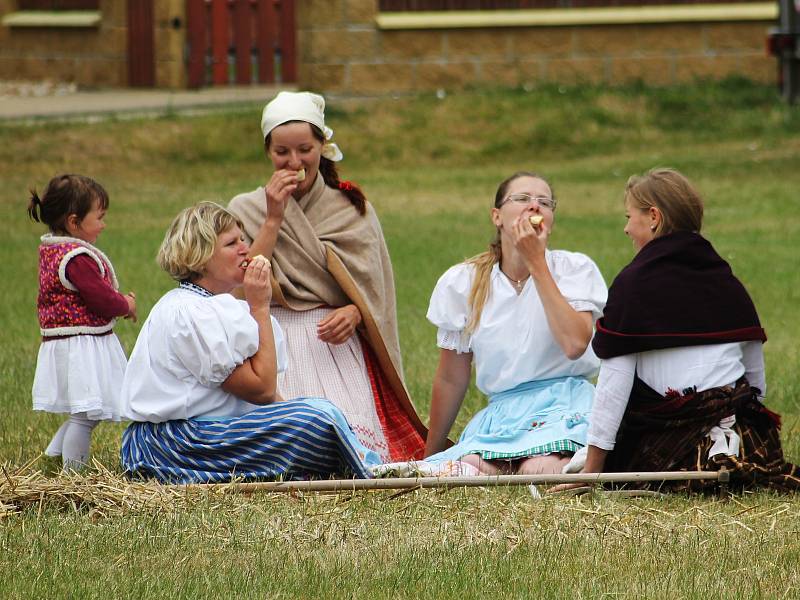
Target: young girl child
[(81, 363)]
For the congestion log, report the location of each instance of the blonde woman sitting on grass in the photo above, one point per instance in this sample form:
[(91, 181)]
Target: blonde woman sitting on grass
[(522, 314), (201, 384)]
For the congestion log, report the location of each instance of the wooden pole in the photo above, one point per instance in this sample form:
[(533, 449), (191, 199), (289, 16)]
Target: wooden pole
[(196, 35), (403, 483), (789, 54), (242, 41), (266, 35), (288, 44), (220, 40)]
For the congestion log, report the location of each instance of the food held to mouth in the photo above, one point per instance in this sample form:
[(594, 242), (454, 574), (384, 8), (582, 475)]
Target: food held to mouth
[(536, 220), (246, 262), (301, 175)]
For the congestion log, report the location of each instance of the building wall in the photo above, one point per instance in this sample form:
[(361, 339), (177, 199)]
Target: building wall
[(170, 37), (341, 50), (91, 56)]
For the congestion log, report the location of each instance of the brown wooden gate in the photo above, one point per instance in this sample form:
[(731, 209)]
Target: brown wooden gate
[(240, 42)]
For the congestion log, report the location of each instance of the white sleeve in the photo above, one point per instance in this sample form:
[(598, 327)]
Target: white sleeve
[(580, 282), (213, 337), (753, 359), (611, 396), (281, 349), (448, 308)]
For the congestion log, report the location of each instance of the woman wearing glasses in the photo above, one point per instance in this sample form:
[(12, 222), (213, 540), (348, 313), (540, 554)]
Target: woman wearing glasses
[(523, 314)]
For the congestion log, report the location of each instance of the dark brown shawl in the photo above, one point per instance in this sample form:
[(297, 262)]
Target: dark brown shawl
[(676, 292)]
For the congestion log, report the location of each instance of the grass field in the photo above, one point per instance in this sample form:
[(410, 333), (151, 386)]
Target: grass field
[(430, 167)]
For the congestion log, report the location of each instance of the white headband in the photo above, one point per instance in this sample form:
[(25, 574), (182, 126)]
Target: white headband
[(300, 106)]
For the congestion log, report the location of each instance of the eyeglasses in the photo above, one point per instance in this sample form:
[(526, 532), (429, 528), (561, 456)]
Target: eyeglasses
[(542, 201)]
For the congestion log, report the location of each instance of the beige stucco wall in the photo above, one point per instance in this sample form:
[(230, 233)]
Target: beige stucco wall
[(91, 56), (343, 51)]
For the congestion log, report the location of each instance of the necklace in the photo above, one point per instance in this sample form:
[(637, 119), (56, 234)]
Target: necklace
[(192, 287), (517, 283)]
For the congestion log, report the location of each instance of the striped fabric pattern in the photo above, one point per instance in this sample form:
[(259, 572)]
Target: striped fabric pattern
[(286, 440)]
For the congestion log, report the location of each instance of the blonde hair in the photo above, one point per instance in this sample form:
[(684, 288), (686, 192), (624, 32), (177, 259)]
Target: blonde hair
[(191, 239), (485, 261), (479, 292), (672, 194)]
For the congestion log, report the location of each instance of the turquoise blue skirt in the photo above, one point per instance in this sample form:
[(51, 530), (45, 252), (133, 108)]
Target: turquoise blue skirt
[(534, 418)]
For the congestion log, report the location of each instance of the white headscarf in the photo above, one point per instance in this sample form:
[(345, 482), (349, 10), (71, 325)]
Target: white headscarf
[(300, 106)]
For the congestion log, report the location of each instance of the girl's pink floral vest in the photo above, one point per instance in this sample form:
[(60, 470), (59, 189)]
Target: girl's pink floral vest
[(62, 311)]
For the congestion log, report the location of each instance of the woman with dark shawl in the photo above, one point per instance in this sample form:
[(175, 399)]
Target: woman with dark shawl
[(682, 383), (333, 284)]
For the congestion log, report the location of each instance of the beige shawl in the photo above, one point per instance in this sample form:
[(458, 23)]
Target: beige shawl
[(329, 254)]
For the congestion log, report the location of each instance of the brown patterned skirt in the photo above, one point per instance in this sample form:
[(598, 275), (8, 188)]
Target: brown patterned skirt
[(670, 433)]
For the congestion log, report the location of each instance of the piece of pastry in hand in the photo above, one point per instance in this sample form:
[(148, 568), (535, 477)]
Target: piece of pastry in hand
[(246, 262), (536, 220), (301, 175)]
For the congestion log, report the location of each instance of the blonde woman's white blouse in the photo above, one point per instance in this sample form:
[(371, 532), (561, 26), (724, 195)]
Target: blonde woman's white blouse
[(513, 343), (187, 348)]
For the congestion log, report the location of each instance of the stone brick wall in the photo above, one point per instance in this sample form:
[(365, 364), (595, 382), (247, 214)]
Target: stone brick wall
[(169, 43), (342, 51), (91, 56)]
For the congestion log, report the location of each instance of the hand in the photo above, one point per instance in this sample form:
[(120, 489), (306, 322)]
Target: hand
[(131, 298), (257, 284), (594, 462), (279, 189), (339, 325), (565, 487), (529, 241)]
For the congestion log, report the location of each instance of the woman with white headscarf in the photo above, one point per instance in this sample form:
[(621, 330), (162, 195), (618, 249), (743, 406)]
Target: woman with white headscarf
[(333, 284)]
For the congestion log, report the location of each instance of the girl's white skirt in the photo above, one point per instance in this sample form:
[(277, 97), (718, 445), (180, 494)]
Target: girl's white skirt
[(80, 374)]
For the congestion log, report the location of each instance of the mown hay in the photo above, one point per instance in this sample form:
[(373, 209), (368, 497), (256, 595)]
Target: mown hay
[(97, 491)]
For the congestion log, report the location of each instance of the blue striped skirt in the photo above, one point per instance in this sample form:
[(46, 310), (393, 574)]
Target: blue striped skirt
[(297, 439)]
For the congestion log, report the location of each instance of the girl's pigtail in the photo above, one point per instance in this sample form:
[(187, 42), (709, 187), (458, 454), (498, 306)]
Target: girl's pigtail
[(35, 207)]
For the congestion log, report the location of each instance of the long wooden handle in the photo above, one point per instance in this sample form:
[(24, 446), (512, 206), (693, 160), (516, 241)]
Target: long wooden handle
[(401, 483)]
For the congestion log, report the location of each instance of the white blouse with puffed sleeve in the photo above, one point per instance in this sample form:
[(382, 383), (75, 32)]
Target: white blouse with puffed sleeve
[(513, 343), (188, 346)]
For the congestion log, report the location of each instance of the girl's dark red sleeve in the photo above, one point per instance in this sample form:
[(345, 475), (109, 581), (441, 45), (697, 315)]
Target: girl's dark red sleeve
[(102, 299)]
